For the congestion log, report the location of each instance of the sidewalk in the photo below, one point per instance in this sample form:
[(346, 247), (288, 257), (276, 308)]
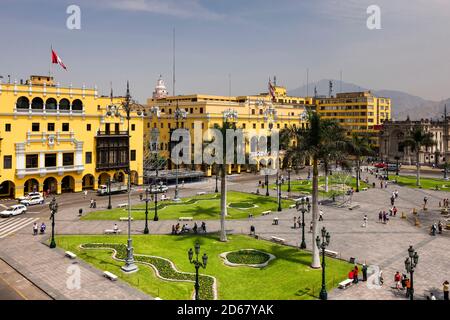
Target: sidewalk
[(47, 269)]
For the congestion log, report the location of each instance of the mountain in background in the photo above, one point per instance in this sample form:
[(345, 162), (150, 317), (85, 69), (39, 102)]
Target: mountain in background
[(403, 104)]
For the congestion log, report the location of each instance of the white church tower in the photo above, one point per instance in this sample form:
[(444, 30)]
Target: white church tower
[(160, 89)]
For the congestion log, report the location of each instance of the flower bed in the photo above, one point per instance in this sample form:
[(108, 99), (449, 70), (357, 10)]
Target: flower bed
[(247, 257), (165, 269), (242, 205)]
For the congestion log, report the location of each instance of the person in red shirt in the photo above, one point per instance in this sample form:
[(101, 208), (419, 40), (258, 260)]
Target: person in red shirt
[(355, 274), (397, 280), (350, 275)]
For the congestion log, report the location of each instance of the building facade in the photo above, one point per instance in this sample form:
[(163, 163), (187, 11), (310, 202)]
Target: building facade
[(256, 115), (64, 139), (394, 133), (359, 112)]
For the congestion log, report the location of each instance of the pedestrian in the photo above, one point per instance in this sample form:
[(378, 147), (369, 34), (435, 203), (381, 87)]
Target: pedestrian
[(425, 199), (351, 275), (365, 221), (295, 222), (432, 297), (173, 229), (195, 228), (355, 274), (92, 203), (85, 193), (408, 287), (311, 227), (35, 228), (204, 227), (380, 278), (80, 212), (320, 215), (440, 227), (392, 200), (396, 193), (445, 288), (385, 217), (397, 280), (299, 222), (95, 204), (380, 216), (404, 277), (381, 184), (43, 227), (385, 184), (394, 210), (252, 230), (433, 229), (364, 272)]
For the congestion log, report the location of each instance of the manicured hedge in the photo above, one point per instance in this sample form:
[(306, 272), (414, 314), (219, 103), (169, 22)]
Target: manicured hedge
[(247, 257), (164, 268)]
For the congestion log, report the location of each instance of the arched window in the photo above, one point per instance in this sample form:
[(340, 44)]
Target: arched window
[(64, 104), (23, 103), (50, 104), (77, 105), (37, 103)]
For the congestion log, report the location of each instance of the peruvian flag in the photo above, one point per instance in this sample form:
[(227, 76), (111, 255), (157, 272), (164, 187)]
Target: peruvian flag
[(57, 59)]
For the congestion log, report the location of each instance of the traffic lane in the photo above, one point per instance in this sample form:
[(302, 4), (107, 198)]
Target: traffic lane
[(7, 292)]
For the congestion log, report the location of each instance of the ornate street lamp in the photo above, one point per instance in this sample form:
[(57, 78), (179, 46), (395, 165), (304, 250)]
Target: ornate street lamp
[(300, 206), (266, 177), (410, 266), (197, 264), (180, 115), (112, 110), (53, 210), (322, 244), (397, 158), (289, 179), (146, 211), (279, 193), (109, 194)]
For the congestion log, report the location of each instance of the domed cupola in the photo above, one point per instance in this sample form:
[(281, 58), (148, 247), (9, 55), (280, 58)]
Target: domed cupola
[(160, 89)]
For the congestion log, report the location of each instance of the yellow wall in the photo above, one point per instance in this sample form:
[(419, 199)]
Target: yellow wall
[(21, 140)]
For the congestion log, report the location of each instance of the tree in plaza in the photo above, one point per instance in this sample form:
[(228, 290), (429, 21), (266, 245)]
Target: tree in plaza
[(415, 140), (223, 181), (359, 147), (318, 140)]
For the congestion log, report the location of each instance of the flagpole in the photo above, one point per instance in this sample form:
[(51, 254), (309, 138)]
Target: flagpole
[(51, 62)]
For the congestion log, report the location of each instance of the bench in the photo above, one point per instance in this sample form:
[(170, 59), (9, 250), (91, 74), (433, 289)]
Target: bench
[(284, 197), (112, 231), (277, 239), (264, 213), (200, 193), (331, 253), (292, 206), (354, 206), (122, 205), (185, 219), (364, 189), (125, 218), (110, 275), (71, 255), (345, 284), (164, 197)]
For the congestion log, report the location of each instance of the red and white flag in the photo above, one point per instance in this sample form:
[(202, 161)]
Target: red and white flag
[(57, 59)]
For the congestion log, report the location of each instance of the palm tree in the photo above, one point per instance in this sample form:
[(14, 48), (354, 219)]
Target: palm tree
[(315, 142), (359, 146), (223, 181), (417, 139)]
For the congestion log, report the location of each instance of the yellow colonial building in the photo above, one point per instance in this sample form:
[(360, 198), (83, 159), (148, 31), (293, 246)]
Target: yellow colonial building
[(256, 115), (64, 139), (360, 112)]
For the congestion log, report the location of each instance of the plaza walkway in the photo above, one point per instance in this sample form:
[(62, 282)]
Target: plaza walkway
[(382, 245)]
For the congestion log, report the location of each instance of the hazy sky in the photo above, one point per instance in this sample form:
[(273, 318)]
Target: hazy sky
[(249, 39)]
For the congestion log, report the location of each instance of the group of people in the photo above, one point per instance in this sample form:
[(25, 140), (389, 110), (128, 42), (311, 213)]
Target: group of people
[(93, 203), (436, 227), (179, 229), (444, 203), (36, 228), (354, 273)]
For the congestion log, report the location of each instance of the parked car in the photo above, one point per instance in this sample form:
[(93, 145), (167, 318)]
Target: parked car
[(29, 195), (380, 165), (13, 211), (393, 166), (33, 200)]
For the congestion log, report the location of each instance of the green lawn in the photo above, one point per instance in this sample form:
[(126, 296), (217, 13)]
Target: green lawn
[(336, 182), (287, 277), (203, 207), (426, 183)]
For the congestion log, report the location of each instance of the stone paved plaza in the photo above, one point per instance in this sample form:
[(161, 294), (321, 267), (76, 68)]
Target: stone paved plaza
[(378, 244)]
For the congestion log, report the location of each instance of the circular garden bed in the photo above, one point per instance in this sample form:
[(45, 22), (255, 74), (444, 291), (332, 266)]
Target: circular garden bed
[(247, 257), (242, 205)]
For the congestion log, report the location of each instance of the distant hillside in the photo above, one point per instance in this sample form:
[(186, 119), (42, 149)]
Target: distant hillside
[(403, 103)]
